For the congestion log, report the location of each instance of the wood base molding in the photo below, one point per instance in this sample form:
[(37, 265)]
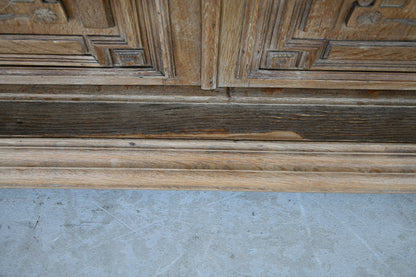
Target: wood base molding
[(224, 139), (207, 165)]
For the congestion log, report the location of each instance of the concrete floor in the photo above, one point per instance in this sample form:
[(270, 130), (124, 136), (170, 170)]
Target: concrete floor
[(178, 233)]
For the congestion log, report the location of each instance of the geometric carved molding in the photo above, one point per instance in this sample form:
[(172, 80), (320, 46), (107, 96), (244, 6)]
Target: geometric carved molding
[(282, 60), (128, 57), (130, 34), (109, 52), (292, 35)]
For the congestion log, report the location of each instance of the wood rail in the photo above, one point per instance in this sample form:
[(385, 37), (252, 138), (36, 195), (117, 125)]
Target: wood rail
[(207, 165)]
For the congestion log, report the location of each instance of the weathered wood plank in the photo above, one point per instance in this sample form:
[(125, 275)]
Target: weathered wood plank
[(207, 165), (318, 122), (205, 180), (189, 112), (210, 16)]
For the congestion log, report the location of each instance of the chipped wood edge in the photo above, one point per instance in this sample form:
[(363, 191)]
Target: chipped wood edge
[(208, 165)]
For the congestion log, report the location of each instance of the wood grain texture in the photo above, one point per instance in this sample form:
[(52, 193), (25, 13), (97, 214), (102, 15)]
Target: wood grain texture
[(131, 43), (37, 44), (95, 14), (210, 14), (186, 41), (207, 165), (308, 122), (239, 114), (308, 44)]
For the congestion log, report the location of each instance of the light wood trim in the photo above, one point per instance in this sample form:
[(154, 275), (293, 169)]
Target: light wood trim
[(207, 165), (210, 15)]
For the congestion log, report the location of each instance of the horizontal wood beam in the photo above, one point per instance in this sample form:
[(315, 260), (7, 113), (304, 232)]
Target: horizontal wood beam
[(207, 165), (250, 114), (187, 138)]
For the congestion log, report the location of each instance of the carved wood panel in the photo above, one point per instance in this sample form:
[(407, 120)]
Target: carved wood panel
[(99, 37), (340, 35), (325, 40)]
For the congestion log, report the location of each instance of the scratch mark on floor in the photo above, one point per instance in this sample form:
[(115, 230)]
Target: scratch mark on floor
[(55, 239), (36, 224), (234, 195), (243, 274), (166, 268), (306, 223), (125, 235), (358, 237), (115, 217)]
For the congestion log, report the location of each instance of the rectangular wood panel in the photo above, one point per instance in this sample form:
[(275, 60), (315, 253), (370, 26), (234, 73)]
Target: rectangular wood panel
[(40, 44), (123, 42), (319, 43)]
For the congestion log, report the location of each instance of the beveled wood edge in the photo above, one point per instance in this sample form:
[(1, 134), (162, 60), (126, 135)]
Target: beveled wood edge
[(322, 84), (208, 165), (194, 94), (29, 76)]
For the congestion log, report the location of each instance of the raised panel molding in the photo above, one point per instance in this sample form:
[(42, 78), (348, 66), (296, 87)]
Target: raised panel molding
[(290, 44), (132, 39), (283, 60), (317, 46)]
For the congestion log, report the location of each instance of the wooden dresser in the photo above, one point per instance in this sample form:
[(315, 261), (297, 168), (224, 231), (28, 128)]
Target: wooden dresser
[(275, 95)]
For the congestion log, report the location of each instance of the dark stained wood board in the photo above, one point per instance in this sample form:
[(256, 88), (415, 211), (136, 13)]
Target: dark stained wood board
[(214, 120)]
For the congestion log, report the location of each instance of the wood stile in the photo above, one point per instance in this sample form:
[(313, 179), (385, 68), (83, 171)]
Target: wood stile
[(211, 20)]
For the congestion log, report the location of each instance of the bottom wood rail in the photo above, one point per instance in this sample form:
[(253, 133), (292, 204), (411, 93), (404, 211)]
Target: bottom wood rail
[(207, 165)]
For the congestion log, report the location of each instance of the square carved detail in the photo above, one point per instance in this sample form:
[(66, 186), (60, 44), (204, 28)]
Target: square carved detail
[(128, 57), (282, 60)]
